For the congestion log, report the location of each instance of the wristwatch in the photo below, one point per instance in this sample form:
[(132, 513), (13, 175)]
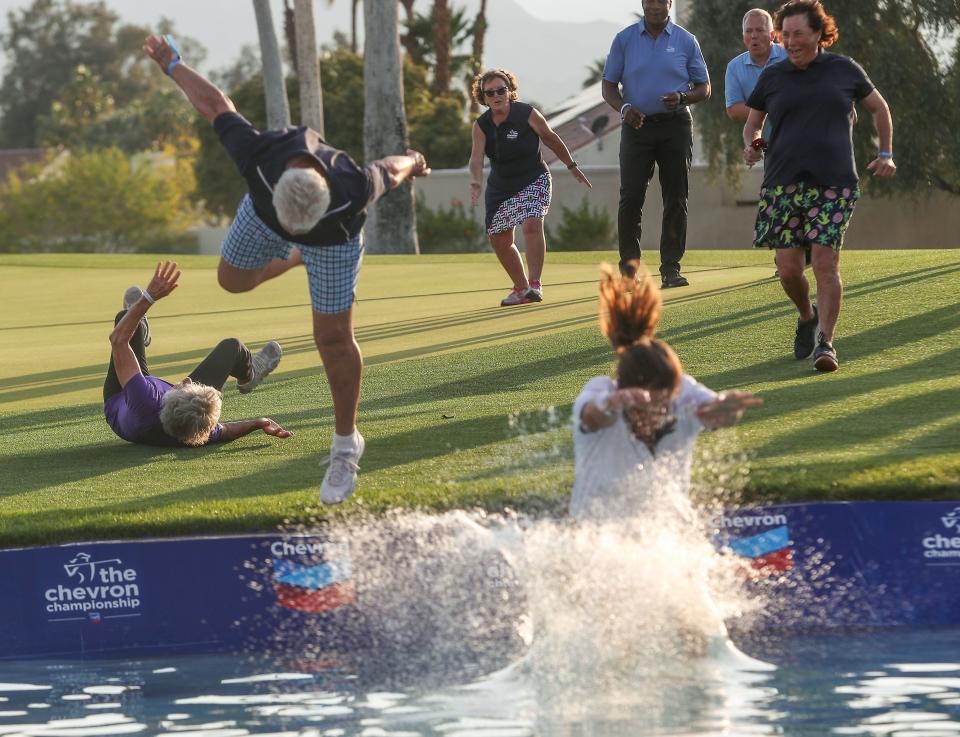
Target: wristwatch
[(683, 99)]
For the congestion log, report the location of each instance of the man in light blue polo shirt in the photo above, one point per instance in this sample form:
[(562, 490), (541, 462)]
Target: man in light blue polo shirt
[(654, 72), (743, 71)]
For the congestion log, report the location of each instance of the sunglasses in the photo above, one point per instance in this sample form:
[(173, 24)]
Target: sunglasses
[(496, 93)]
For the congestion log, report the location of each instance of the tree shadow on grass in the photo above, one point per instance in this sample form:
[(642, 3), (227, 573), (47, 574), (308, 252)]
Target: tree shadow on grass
[(744, 318), (54, 467), (40, 469), (902, 333), (175, 365), (873, 422)]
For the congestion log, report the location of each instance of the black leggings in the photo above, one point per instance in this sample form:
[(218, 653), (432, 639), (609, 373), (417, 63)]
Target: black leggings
[(229, 358)]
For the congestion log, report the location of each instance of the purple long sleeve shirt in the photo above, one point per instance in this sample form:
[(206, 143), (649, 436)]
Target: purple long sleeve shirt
[(134, 413)]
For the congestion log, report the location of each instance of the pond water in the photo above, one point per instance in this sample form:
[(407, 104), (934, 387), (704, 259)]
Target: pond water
[(881, 682)]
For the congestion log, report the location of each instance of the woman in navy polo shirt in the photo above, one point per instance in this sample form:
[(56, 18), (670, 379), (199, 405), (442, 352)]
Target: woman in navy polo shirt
[(519, 186), (810, 181)]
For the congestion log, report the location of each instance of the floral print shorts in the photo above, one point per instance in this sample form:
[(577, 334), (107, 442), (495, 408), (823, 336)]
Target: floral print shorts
[(801, 214)]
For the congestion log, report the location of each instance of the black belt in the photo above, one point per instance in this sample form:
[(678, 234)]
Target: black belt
[(665, 117)]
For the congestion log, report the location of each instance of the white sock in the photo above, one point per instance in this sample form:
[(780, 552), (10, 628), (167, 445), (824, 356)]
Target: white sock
[(345, 441)]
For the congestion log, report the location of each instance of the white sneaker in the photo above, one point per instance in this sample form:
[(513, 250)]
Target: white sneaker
[(130, 298), (264, 361), (341, 477)]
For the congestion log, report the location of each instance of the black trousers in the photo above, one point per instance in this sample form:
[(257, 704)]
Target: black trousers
[(229, 358), (668, 143)]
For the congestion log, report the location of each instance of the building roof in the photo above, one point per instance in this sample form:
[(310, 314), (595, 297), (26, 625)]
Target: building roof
[(581, 119)]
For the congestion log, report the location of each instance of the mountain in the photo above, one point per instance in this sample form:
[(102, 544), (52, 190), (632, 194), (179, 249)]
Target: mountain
[(550, 58)]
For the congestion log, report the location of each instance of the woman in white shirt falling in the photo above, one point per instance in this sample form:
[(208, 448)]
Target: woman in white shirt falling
[(634, 435)]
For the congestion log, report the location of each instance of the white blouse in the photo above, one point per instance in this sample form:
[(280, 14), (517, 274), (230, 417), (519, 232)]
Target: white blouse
[(618, 475)]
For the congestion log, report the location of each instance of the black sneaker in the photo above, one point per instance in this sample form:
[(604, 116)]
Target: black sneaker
[(674, 280), (805, 342), (825, 357)]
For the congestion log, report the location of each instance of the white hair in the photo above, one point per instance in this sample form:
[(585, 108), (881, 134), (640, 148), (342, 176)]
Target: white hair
[(300, 198), (758, 11), (190, 412)]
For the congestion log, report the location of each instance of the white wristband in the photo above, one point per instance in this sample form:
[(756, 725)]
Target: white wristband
[(146, 296), (623, 108)]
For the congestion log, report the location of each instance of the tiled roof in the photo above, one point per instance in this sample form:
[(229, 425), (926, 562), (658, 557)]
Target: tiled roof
[(581, 120)]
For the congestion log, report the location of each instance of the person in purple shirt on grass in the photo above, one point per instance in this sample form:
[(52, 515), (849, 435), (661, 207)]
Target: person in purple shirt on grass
[(143, 409)]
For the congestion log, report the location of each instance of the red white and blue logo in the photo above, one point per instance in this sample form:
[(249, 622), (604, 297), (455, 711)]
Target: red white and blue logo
[(313, 587), (768, 552)]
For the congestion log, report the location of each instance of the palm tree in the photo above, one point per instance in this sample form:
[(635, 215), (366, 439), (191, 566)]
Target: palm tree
[(275, 91), (409, 41), (440, 20), (392, 226), (476, 58), (594, 72), (308, 66)]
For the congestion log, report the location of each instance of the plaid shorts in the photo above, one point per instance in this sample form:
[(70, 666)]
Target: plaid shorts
[(332, 270), (801, 214)]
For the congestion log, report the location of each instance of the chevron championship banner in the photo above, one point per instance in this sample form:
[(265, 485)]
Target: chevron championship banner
[(814, 565)]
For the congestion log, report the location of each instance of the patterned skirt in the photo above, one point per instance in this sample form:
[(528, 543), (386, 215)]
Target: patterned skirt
[(532, 201)]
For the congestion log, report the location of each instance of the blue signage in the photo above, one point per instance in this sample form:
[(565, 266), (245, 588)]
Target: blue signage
[(812, 565)]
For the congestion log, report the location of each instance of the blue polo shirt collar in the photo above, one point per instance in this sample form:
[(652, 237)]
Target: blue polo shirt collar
[(774, 56), (668, 29)]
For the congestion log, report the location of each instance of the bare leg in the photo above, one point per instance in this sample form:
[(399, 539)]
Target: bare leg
[(243, 280), (536, 246), (826, 267), (509, 256), (790, 265), (343, 364)]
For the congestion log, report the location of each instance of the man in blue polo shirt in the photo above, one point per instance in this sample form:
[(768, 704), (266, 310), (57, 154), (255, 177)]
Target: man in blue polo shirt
[(743, 71), (654, 72)]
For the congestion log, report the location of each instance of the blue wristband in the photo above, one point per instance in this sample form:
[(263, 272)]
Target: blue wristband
[(176, 53), (885, 155)]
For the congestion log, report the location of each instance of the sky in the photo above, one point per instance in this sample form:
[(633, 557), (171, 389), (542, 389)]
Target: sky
[(223, 26)]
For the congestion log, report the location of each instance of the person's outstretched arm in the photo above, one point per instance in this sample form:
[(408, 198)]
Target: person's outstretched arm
[(125, 362), (552, 141), (234, 430), (203, 94), (727, 409), (401, 168)]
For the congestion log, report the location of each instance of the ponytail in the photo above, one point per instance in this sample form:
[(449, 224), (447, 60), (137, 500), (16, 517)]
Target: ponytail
[(629, 313), (629, 307)]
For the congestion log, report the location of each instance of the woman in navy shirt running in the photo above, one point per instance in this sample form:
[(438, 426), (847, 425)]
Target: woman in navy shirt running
[(810, 179), (519, 186)]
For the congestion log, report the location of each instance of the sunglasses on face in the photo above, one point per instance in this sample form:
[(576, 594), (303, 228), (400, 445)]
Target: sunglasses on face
[(495, 93)]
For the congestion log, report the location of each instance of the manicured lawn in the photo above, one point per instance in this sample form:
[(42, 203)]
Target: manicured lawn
[(465, 403)]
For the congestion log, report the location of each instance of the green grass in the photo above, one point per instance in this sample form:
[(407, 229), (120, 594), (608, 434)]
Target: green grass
[(464, 403)]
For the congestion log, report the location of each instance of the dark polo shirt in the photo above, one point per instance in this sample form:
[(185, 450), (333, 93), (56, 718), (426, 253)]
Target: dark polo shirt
[(811, 121), (513, 148), (262, 158)]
